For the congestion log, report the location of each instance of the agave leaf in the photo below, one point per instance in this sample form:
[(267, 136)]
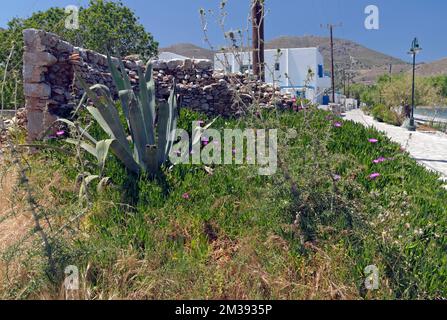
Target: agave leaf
[(149, 72), (85, 183), (103, 184), (119, 82), (84, 145), (120, 149), (107, 117), (89, 179), (173, 123), (139, 136), (125, 76), (164, 125), (111, 109), (151, 159), (102, 150), (84, 97), (150, 85), (147, 108)]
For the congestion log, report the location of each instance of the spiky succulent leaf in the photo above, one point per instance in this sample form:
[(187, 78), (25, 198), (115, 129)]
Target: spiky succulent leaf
[(122, 151), (102, 151), (147, 108), (84, 145), (164, 125), (139, 136), (152, 159), (124, 75), (173, 122), (105, 113), (119, 84)]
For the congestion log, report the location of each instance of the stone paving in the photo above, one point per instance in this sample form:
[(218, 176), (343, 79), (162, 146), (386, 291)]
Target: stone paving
[(429, 149)]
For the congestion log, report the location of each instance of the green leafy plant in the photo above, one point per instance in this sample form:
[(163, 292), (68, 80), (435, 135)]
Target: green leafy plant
[(151, 142)]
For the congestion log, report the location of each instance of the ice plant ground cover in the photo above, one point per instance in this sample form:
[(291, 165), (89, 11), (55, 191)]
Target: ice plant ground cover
[(225, 232)]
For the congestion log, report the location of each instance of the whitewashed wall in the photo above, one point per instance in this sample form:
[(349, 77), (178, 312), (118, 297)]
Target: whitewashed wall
[(294, 62)]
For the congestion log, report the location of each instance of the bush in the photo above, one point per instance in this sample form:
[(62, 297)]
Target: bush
[(382, 113)]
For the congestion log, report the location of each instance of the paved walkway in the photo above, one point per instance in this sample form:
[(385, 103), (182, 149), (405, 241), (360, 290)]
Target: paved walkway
[(429, 149)]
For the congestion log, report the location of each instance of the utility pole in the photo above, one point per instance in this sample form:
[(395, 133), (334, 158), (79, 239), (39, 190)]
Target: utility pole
[(258, 14), (344, 82), (331, 29)]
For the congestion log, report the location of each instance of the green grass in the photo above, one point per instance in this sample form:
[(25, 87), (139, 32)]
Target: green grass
[(300, 234)]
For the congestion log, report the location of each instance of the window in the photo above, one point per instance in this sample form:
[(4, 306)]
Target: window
[(320, 71), (277, 66)]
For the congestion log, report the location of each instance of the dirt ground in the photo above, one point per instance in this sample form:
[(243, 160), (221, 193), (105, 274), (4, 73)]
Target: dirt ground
[(14, 222)]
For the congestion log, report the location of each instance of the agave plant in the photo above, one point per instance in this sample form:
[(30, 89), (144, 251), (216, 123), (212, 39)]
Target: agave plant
[(151, 142)]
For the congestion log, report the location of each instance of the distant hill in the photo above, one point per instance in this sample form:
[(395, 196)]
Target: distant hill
[(189, 50), (368, 64), (435, 68), (364, 58)]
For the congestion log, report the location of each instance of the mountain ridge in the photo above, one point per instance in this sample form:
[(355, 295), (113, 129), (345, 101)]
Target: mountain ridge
[(367, 64)]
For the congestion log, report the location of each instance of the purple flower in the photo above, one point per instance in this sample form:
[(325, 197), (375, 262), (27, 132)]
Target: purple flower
[(338, 125), (373, 140), (380, 160), (374, 176), (186, 196), (234, 151), (336, 177), (60, 133)]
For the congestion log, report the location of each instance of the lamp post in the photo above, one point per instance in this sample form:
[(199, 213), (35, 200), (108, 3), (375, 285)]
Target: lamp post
[(414, 50)]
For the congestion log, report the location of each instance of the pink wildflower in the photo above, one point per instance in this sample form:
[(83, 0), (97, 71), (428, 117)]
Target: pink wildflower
[(186, 196), (374, 176), (373, 140), (380, 160)]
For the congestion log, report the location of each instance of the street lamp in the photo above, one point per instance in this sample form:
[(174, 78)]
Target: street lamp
[(414, 50)]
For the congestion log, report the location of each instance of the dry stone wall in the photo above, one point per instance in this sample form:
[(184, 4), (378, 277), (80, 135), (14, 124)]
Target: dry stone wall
[(51, 66)]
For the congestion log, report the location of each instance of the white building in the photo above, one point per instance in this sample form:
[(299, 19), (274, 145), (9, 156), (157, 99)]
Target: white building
[(299, 70)]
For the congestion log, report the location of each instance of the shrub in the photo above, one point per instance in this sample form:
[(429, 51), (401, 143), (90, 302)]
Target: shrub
[(382, 113)]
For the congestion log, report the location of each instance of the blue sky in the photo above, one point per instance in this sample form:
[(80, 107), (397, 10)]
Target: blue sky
[(174, 21)]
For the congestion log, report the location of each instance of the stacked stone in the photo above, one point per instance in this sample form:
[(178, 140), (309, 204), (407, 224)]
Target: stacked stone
[(205, 90), (36, 62), (51, 66)]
